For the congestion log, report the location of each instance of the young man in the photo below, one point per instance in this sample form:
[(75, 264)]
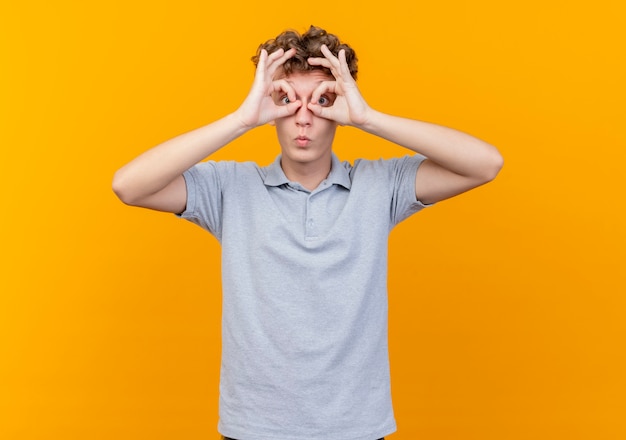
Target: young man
[(304, 240)]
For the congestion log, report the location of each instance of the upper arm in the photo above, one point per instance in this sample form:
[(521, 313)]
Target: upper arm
[(172, 198), (434, 183)]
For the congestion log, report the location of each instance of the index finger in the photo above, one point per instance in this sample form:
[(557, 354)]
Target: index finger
[(325, 87), (282, 87)]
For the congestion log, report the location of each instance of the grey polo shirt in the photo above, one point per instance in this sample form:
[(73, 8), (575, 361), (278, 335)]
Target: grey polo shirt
[(304, 279)]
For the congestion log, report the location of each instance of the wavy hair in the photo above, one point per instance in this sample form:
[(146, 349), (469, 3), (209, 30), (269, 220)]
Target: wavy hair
[(307, 45)]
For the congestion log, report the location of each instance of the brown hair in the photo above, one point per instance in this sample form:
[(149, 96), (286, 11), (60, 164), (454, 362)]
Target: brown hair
[(307, 45)]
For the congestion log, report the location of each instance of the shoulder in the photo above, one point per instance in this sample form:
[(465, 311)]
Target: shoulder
[(225, 166), (225, 170), (385, 166)]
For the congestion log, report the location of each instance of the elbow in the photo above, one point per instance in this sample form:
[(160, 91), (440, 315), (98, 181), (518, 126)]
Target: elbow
[(496, 165), (122, 189), (492, 166)]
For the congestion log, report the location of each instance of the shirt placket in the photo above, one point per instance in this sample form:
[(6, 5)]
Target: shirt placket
[(313, 212)]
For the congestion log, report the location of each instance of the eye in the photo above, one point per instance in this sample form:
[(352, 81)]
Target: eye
[(284, 100), (324, 101)]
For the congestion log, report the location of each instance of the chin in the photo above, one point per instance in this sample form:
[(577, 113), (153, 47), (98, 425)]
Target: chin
[(300, 154)]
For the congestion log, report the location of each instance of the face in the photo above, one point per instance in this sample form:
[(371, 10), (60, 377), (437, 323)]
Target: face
[(305, 139)]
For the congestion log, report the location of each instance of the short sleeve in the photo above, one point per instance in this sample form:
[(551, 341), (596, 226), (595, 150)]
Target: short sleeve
[(204, 197), (404, 201)]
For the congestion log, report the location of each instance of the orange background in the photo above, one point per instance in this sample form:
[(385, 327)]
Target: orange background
[(507, 309)]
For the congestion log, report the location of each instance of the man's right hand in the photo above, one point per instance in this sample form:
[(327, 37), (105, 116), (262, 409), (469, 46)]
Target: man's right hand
[(259, 108)]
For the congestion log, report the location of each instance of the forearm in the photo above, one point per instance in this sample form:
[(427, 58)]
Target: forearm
[(451, 149), (156, 168)]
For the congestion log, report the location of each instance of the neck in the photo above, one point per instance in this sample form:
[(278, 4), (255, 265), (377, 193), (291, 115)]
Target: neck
[(309, 175)]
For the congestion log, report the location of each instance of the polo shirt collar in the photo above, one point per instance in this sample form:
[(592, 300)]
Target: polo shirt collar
[(339, 175)]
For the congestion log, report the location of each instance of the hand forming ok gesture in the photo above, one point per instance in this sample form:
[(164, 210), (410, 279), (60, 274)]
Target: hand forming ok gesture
[(259, 108), (349, 107)]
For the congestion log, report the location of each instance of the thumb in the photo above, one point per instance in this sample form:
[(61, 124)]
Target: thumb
[(288, 110), (322, 112)]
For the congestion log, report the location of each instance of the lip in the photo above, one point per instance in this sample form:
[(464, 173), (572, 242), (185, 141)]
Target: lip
[(302, 141)]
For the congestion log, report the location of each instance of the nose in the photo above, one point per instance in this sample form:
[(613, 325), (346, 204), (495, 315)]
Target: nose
[(304, 116)]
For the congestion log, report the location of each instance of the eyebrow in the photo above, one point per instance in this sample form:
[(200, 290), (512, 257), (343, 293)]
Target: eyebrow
[(291, 82)]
